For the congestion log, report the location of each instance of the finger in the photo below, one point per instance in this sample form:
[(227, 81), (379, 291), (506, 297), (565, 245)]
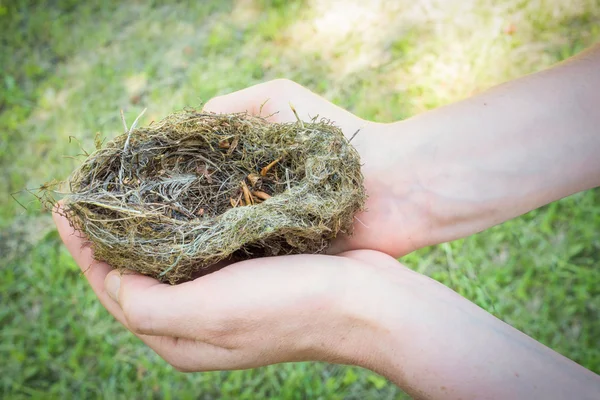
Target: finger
[(74, 240), (192, 310), (189, 356), (94, 271), (139, 298), (275, 97), (245, 100), (161, 315), (264, 99), (375, 259), (154, 312), (220, 307), (137, 293), (183, 354), (150, 307)]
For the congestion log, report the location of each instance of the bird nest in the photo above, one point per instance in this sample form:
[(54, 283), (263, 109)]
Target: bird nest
[(172, 199)]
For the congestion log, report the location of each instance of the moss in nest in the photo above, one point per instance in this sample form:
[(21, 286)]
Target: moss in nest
[(172, 199)]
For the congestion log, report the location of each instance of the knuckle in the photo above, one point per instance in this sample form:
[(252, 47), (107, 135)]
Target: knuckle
[(282, 84), (226, 334), (216, 333)]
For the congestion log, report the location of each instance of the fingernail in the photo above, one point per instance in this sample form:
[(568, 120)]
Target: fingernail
[(112, 285)]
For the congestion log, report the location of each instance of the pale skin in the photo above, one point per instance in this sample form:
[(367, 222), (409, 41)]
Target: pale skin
[(436, 177)]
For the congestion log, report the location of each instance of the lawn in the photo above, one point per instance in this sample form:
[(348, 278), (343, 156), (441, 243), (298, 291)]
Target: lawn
[(68, 67)]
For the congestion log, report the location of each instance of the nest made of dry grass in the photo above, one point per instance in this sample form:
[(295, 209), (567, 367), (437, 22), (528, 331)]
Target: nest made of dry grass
[(174, 198)]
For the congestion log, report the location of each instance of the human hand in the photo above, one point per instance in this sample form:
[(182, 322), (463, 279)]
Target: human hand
[(465, 167), (360, 307), (396, 217), (265, 311), (253, 313)]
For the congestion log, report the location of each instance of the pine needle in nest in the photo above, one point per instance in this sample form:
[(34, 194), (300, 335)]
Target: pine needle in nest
[(172, 199)]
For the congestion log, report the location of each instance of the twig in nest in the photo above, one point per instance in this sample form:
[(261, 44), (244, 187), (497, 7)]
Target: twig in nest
[(253, 179), (265, 170), (261, 195), (246, 191), (233, 145), (235, 203)]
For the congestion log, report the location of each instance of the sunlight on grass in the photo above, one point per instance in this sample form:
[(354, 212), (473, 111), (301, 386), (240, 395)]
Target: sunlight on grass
[(69, 69), (349, 35)]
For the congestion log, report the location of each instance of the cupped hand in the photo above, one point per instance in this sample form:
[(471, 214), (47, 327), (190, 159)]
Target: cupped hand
[(360, 307), (271, 310), (396, 217), (253, 313)]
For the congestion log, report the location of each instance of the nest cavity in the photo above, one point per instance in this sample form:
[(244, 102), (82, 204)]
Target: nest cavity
[(173, 199)]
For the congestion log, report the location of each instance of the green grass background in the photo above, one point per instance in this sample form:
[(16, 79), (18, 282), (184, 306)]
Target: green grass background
[(69, 66)]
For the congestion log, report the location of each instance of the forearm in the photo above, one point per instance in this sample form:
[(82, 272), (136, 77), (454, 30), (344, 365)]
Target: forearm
[(505, 152), (437, 345)]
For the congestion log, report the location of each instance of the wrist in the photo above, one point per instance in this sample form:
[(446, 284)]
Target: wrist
[(453, 177), (504, 152), (374, 302), (433, 343), (411, 175)]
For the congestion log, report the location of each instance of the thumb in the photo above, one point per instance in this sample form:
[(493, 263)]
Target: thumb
[(135, 282), (140, 298), (150, 307), (112, 285)]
